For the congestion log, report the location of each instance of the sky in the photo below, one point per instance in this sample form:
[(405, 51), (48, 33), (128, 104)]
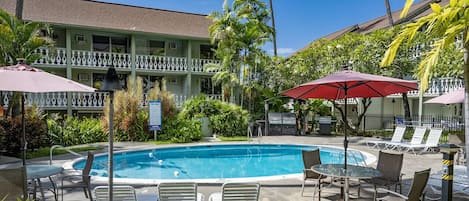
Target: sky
[(297, 22)]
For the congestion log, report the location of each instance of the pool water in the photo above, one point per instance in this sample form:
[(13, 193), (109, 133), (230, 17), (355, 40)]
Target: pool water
[(214, 161)]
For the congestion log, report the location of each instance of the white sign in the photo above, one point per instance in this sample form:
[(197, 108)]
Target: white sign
[(155, 115)]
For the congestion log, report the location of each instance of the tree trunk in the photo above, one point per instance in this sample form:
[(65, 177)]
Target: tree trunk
[(388, 13), (366, 102), (19, 9), (405, 101), (466, 95), (274, 34)]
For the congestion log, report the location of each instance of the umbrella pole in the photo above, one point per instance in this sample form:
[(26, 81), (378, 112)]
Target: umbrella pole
[(24, 147), (111, 146), (23, 129), (345, 131)]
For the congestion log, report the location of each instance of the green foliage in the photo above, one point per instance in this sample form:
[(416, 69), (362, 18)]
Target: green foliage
[(11, 131), (233, 138), (19, 39), (225, 119), (75, 131), (180, 130), (130, 119), (239, 32)]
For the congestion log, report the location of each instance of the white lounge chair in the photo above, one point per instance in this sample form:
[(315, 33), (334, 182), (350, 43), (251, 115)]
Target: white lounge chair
[(417, 138), (431, 143), (237, 192), (396, 137), (179, 191), (119, 193)]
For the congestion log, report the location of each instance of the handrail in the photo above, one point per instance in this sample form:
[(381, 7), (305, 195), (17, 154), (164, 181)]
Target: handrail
[(63, 148)]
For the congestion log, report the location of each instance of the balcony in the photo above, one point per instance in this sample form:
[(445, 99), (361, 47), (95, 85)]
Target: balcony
[(437, 87), (57, 57), (80, 101)]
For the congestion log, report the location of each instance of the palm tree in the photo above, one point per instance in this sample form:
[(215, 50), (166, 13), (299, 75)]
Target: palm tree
[(389, 13), (443, 25), (19, 39), (274, 34)]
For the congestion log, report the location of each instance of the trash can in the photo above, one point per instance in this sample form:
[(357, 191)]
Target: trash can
[(325, 125)]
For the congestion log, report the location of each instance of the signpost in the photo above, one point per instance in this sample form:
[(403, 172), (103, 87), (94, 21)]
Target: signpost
[(155, 116)]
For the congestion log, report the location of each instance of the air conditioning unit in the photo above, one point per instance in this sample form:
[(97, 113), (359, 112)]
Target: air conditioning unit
[(172, 81)]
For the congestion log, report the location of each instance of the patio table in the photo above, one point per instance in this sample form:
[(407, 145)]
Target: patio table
[(36, 172), (352, 172)]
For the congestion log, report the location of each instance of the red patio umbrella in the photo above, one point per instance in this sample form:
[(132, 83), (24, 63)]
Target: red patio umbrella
[(350, 84), (24, 78), (449, 98)]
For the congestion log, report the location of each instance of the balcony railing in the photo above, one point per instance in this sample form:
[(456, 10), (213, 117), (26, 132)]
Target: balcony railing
[(57, 57), (86, 101), (438, 87)]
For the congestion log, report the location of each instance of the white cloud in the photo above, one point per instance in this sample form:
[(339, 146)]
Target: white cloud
[(283, 51)]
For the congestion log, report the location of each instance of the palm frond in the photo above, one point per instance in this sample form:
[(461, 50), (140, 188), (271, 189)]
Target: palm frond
[(406, 8)]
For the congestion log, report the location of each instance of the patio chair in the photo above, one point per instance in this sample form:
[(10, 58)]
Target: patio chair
[(431, 143), (179, 191), (417, 138), (396, 137), (416, 192), (390, 166), (13, 184), (237, 191), (311, 158), (119, 193), (80, 181)]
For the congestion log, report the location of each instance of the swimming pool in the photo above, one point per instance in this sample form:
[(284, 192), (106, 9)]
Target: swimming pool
[(216, 162)]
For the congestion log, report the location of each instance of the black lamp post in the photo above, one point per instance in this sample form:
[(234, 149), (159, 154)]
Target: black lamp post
[(111, 84)]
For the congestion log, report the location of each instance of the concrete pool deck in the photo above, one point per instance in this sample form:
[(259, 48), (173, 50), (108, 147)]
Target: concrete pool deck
[(283, 189)]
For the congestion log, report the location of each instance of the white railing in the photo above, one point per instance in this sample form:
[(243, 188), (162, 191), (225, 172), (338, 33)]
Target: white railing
[(100, 59), (95, 100), (440, 86), (198, 65), (93, 59), (162, 63), (52, 57)]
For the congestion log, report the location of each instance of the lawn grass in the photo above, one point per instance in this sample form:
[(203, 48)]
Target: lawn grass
[(160, 142), (233, 138), (45, 151)]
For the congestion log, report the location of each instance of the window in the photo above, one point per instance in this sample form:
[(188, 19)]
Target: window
[(107, 44), (151, 81), (156, 47), (206, 52), (207, 87), (98, 79)]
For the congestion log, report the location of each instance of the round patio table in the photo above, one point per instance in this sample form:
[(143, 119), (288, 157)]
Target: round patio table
[(36, 172), (352, 172)]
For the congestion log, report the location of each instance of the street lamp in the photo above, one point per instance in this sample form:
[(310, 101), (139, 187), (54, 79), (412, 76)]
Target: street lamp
[(111, 84)]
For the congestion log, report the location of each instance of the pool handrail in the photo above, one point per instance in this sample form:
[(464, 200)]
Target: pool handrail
[(63, 148)]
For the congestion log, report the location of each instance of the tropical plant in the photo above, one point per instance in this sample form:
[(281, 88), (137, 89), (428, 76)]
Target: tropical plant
[(19, 39), (130, 119), (445, 26), (225, 119), (239, 32), (75, 130)]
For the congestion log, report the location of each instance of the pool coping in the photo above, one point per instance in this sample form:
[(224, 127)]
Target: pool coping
[(68, 167)]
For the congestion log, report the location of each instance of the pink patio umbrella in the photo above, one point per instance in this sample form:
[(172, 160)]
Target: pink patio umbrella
[(456, 96), (350, 84), (24, 78)]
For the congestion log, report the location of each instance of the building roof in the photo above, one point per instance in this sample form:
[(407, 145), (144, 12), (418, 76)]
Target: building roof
[(417, 10), (94, 14)]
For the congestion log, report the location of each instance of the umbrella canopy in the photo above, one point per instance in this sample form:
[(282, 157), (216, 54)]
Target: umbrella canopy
[(456, 96), (350, 84), (24, 78)]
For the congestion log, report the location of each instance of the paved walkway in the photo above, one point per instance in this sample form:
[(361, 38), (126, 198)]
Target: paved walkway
[(286, 189)]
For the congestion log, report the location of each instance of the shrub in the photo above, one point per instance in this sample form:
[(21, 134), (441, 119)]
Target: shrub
[(180, 130), (225, 119), (75, 131), (12, 132)]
